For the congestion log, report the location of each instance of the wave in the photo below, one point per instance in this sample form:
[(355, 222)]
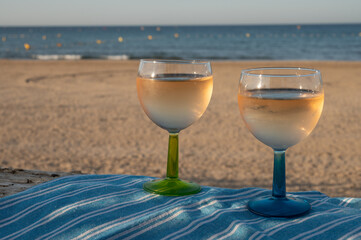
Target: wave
[(116, 57), (57, 57), (77, 57), (203, 57), (46, 57)]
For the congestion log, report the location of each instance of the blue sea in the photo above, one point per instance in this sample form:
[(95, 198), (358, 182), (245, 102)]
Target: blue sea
[(267, 42)]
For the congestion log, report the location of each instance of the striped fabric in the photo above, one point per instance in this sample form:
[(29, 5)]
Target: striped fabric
[(116, 207)]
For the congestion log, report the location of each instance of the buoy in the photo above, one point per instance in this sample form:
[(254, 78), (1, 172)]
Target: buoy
[(58, 35), (150, 37), (176, 35), (141, 28), (120, 39), (248, 35), (27, 46), (4, 39), (44, 37), (158, 29), (59, 44), (99, 41), (298, 27), (359, 34)]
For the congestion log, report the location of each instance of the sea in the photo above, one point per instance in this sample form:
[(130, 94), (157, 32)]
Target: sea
[(244, 42)]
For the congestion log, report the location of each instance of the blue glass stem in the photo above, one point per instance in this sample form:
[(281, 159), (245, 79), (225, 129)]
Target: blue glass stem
[(279, 175)]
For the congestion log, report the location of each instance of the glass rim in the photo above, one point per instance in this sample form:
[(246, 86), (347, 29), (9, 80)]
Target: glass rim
[(313, 71), (171, 61)]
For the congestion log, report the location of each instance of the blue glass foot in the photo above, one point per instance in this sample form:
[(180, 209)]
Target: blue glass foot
[(279, 207)]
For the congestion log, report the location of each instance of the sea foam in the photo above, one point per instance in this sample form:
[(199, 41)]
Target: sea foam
[(57, 57), (77, 57)]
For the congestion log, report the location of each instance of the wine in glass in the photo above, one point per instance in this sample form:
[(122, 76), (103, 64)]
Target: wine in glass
[(174, 94), (280, 106)]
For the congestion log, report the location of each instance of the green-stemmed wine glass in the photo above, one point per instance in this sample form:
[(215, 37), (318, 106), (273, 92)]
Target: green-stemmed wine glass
[(174, 94), (280, 106)]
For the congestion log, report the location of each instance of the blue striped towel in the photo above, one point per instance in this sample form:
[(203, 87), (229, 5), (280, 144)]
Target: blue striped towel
[(116, 207)]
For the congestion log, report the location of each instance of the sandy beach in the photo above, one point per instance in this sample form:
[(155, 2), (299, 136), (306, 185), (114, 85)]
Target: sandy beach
[(85, 115)]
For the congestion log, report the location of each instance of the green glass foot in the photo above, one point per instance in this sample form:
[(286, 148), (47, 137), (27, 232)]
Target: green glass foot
[(171, 187)]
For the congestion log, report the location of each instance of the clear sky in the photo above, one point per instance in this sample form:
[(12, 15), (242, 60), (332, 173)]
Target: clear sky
[(176, 12)]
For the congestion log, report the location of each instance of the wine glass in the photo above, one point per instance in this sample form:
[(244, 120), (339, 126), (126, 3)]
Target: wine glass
[(280, 106), (174, 94)]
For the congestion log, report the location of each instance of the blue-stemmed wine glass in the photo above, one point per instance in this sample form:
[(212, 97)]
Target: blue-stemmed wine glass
[(280, 106)]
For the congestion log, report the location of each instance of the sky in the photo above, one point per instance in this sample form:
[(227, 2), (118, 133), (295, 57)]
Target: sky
[(176, 12)]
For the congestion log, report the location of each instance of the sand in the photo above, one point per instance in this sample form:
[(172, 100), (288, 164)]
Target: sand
[(17, 180), (85, 116)]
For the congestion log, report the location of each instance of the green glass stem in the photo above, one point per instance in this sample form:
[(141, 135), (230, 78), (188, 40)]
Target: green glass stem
[(172, 163), (172, 185), (279, 174)]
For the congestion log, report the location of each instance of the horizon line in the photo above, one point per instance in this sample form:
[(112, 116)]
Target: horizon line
[(186, 25)]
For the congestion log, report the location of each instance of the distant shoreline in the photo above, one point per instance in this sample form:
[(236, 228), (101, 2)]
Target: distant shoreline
[(215, 60), (173, 25)]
